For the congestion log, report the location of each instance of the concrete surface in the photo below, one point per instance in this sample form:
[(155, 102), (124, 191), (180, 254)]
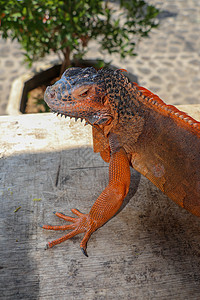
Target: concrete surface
[(168, 63), (150, 250)]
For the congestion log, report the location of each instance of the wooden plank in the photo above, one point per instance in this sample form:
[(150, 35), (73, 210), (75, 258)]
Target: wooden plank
[(150, 250)]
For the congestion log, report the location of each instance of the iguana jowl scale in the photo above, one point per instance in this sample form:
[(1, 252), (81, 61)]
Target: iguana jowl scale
[(131, 127)]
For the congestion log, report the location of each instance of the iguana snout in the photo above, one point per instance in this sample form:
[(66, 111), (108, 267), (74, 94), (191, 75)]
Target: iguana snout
[(80, 93)]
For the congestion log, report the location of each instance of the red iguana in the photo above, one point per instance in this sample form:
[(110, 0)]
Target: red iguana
[(131, 127)]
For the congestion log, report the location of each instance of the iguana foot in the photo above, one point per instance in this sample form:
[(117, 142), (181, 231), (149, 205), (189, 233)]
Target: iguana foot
[(79, 225)]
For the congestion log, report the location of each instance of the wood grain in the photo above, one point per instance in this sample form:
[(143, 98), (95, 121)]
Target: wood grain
[(150, 250)]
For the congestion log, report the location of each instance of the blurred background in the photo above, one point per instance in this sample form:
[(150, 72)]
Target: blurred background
[(167, 61)]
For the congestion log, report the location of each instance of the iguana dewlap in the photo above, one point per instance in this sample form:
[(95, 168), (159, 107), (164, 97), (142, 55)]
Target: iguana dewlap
[(131, 127)]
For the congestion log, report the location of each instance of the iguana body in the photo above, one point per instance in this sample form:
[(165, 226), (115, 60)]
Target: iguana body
[(131, 127)]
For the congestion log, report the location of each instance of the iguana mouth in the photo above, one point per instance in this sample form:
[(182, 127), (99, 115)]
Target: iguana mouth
[(51, 98), (68, 109)]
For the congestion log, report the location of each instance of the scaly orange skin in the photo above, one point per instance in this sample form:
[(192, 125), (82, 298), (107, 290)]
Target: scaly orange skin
[(131, 127)]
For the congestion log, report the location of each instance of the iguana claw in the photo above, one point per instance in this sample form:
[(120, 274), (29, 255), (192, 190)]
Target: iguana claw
[(79, 225), (84, 251)]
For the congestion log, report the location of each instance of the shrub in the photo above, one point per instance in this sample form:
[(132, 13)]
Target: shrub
[(66, 26)]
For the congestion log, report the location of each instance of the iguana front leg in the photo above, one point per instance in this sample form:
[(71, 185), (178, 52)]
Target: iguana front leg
[(105, 207)]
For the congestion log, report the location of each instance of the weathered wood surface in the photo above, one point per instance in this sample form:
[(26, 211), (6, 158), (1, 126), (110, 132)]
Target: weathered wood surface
[(150, 250)]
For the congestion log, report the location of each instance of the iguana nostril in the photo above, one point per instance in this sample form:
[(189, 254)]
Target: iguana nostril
[(52, 94)]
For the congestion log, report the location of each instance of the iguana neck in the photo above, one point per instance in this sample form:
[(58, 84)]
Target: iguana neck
[(138, 112), (128, 111)]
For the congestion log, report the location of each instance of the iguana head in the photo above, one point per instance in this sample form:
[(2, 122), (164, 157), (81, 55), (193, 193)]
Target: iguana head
[(80, 93), (104, 98), (96, 96)]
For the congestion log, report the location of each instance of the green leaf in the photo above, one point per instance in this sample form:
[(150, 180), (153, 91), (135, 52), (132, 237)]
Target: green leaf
[(18, 208), (52, 25)]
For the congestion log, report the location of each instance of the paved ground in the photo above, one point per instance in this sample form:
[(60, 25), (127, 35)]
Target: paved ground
[(168, 63)]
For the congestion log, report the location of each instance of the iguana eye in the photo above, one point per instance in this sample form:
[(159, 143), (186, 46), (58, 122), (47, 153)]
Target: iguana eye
[(84, 92)]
